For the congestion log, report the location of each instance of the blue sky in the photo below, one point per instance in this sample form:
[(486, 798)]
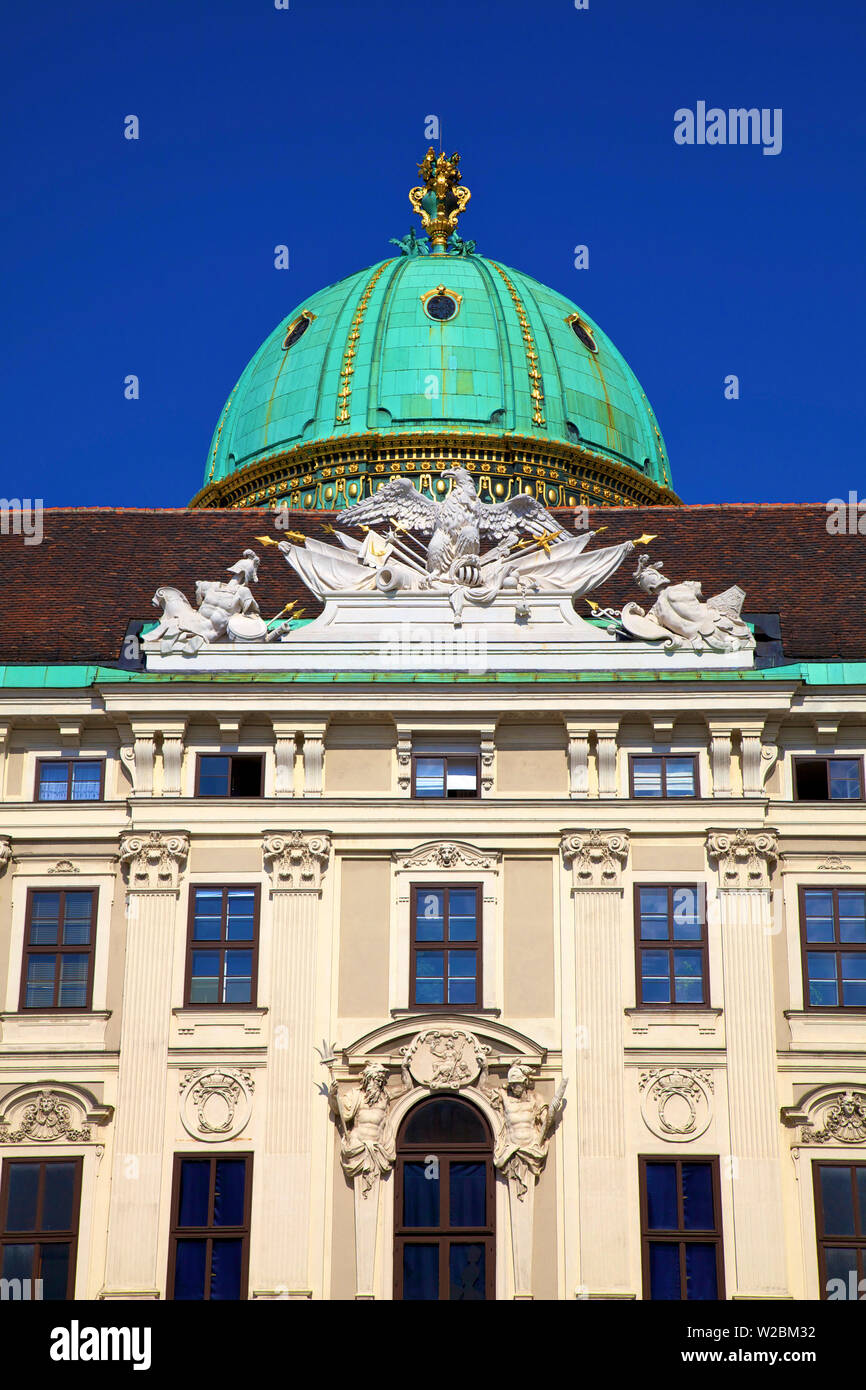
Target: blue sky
[(261, 126)]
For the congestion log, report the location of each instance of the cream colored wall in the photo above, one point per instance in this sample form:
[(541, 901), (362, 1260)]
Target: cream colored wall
[(365, 920), (342, 1270), (528, 938), (531, 760), (359, 759)]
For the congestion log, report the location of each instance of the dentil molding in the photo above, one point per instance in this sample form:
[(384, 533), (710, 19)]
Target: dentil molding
[(154, 862), (744, 858), (295, 860), (596, 857)]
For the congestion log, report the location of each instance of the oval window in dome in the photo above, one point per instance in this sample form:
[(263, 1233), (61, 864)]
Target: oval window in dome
[(297, 328), (441, 304), (582, 331)]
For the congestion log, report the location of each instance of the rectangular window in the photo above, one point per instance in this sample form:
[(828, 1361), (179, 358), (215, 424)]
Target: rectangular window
[(70, 779), (833, 936), (671, 945), (446, 776), (446, 948), (222, 951), (39, 1203), (666, 775), (681, 1233), (210, 1228), (59, 930), (840, 1224), (229, 774), (828, 779)]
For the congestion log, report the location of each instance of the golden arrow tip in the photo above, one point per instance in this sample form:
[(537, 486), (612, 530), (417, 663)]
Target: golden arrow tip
[(644, 539), (265, 540), (592, 603)]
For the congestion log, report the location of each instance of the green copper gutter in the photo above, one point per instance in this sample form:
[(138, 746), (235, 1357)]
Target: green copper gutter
[(84, 677)]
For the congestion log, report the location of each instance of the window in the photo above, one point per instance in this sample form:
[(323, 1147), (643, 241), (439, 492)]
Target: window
[(828, 779), (39, 1201), (222, 946), (681, 1229), (840, 1224), (833, 935), (446, 948), (70, 779), (58, 949), (663, 776), (671, 947), (454, 775), (210, 1228), (229, 774), (444, 1204)]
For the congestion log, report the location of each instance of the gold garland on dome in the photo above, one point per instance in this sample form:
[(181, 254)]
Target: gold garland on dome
[(536, 388), (347, 370)]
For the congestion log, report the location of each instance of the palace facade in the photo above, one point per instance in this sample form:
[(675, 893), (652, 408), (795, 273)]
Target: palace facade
[(400, 922)]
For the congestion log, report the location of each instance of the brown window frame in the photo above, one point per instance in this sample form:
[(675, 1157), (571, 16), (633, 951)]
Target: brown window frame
[(664, 758), (858, 1242), (67, 799), (206, 796), (670, 945), (222, 945), (680, 1236), (464, 757), (28, 951), (38, 1237), (477, 945), (442, 1234), (835, 947), (210, 1232), (798, 758)]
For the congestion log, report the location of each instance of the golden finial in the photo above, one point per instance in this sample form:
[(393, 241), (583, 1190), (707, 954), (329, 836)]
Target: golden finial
[(644, 539), (441, 199)]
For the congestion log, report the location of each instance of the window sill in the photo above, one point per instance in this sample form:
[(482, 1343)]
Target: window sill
[(205, 1026), (834, 1030), (60, 1030), (678, 1027), (461, 1010)]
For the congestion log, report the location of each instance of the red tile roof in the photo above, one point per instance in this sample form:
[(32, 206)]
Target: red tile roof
[(70, 599)]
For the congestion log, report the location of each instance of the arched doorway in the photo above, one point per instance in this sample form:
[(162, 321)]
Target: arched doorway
[(444, 1197)]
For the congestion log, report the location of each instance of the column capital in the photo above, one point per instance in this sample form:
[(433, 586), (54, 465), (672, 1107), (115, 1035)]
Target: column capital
[(743, 858), (154, 860), (296, 859), (596, 857)]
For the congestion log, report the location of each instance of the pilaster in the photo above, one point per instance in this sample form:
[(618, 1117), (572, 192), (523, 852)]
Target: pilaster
[(153, 863), (744, 860), (597, 859), (296, 862)]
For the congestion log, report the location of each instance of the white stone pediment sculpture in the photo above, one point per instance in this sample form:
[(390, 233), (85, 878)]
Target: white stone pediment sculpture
[(447, 854), (51, 1112), (680, 618), (224, 609), (830, 1115), (444, 1059), (530, 550)]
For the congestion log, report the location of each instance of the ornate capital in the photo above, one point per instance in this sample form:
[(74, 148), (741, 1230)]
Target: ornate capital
[(5, 851), (596, 857), (295, 860), (154, 862), (744, 858)]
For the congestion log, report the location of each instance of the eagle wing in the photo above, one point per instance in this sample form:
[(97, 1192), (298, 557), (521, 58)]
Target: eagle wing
[(397, 501), (521, 513)]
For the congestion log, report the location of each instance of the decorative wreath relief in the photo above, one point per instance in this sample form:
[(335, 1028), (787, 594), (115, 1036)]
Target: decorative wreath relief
[(216, 1104), (676, 1103)]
